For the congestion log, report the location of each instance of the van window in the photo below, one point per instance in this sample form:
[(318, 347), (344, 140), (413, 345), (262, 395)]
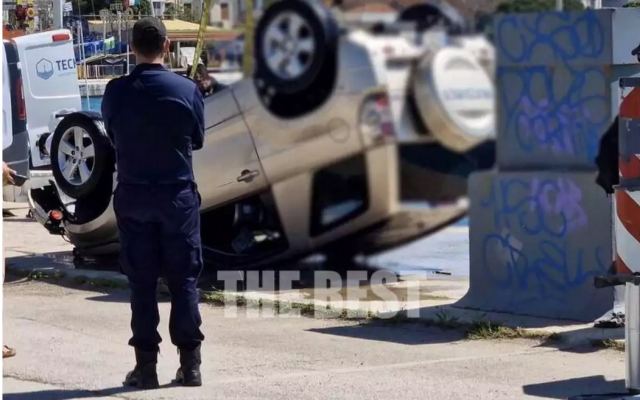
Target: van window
[(7, 118)]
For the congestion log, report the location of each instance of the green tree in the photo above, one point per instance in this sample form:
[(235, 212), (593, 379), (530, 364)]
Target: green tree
[(145, 8), (516, 6), (171, 11), (185, 13), (632, 4)]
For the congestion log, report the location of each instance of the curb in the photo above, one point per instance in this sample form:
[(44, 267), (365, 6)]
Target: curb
[(477, 325), (53, 271)]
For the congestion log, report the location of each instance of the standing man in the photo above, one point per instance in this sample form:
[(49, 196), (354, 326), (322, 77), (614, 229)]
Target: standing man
[(155, 120)]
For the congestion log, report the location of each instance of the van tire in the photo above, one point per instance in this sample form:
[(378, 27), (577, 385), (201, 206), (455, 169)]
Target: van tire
[(310, 80), (100, 164)]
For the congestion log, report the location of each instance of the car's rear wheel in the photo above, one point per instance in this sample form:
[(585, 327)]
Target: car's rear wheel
[(295, 52), (80, 155)]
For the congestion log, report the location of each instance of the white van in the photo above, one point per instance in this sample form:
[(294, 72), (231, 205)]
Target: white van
[(50, 83)]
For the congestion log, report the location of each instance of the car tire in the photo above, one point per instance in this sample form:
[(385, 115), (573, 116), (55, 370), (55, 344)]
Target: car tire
[(295, 68), (455, 99), (81, 154)]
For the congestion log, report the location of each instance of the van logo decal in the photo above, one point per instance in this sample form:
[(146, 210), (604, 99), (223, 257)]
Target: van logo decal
[(44, 68)]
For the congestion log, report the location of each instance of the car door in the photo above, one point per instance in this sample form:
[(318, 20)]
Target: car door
[(227, 167)]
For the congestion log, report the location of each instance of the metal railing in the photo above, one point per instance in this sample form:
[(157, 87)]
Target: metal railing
[(100, 71)]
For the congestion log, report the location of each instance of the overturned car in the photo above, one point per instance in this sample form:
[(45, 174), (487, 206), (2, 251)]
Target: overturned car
[(347, 139)]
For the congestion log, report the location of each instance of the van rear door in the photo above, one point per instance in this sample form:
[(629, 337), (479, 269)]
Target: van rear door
[(13, 110), (50, 82)]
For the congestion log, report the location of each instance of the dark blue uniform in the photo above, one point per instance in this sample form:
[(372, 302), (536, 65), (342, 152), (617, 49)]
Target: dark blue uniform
[(155, 120)]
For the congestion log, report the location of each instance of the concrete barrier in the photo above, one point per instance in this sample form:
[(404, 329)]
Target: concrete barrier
[(540, 233), (558, 84), (537, 239)]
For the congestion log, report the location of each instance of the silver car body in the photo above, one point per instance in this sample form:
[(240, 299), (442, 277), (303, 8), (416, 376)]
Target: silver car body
[(248, 150)]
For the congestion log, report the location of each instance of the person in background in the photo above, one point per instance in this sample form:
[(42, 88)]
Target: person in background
[(155, 120), (205, 82)]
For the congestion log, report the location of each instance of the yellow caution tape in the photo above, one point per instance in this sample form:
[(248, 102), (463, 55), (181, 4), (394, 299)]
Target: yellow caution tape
[(203, 27)]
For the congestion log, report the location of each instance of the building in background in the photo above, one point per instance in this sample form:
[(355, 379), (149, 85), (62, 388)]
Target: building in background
[(226, 14), (158, 7)]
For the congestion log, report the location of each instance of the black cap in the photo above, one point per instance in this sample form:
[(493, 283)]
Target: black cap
[(636, 51), (149, 29)]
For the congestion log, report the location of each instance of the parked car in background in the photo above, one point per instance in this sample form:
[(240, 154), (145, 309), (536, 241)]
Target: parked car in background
[(348, 140)]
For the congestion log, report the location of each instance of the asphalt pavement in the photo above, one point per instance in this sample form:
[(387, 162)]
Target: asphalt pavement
[(71, 344)]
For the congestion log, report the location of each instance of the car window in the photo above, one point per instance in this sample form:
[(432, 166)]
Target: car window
[(340, 194)]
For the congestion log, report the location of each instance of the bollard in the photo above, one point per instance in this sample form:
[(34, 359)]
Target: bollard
[(627, 223), (627, 228), (627, 204), (632, 335)]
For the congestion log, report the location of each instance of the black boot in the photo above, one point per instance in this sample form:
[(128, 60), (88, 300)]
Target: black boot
[(144, 375), (189, 372)]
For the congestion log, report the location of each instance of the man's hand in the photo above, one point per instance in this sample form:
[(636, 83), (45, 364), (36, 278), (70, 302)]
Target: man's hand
[(7, 178)]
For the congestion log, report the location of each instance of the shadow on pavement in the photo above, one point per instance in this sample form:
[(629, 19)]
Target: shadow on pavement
[(64, 260), (406, 334), (592, 339), (68, 394), (523, 320), (442, 324), (20, 219), (61, 260), (588, 385)]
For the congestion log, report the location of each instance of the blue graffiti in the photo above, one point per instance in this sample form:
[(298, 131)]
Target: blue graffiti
[(561, 107), (549, 207), (566, 37), (530, 246), (561, 197), (544, 113), (550, 269)]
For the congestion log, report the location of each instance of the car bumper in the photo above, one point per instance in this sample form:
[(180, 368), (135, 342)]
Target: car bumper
[(96, 237)]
